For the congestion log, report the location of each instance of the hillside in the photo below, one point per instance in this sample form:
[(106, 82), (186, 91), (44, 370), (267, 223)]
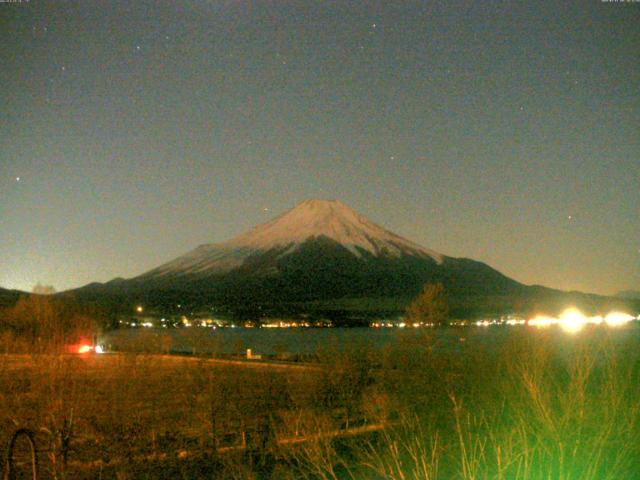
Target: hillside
[(318, 256)]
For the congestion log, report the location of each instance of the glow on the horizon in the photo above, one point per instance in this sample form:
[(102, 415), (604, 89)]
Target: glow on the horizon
[(597, 319), (615, 319), (542, 321), (572, 320), (85, 348)]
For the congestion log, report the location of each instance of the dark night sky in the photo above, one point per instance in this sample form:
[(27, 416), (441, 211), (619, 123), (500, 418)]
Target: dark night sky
[(507, 132)]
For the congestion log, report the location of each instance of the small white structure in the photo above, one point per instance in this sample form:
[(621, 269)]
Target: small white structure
[(251, 356)]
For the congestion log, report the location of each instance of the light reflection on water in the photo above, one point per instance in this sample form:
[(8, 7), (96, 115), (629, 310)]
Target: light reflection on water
[(303, 341)]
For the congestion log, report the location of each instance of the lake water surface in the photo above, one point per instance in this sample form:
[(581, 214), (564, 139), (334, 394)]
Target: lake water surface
[(305, 341)]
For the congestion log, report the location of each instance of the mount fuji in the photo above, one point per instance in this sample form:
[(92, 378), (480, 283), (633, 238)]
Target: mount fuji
[(324, 221), (320, 255)]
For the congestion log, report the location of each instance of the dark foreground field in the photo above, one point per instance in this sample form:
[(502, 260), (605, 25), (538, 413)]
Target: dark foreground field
[(530, 408)]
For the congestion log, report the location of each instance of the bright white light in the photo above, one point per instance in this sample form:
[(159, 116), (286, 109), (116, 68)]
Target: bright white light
[(515, 322), (596, 320), (572, 320), (98, 349), (616, 319), (542, 321)]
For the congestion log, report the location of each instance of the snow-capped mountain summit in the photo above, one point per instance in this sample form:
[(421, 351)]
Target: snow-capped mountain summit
[(319, 253), (334, 220), (312, 219)]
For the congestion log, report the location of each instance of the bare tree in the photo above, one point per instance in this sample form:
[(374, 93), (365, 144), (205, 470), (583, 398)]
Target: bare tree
[(40, 289), (430, 306)]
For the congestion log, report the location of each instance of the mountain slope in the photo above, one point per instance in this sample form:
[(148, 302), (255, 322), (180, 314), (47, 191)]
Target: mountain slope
[(319, 250), (9, 297), (629, 294), (323, 258), (286, 234), (319, 253)]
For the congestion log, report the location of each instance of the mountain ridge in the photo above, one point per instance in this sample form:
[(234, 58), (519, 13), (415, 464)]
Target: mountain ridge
[(9, 297), (629, 294), (317, 256), (310, 219)]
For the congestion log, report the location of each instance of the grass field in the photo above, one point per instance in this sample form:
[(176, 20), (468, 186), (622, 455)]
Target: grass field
[(532, 408)]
